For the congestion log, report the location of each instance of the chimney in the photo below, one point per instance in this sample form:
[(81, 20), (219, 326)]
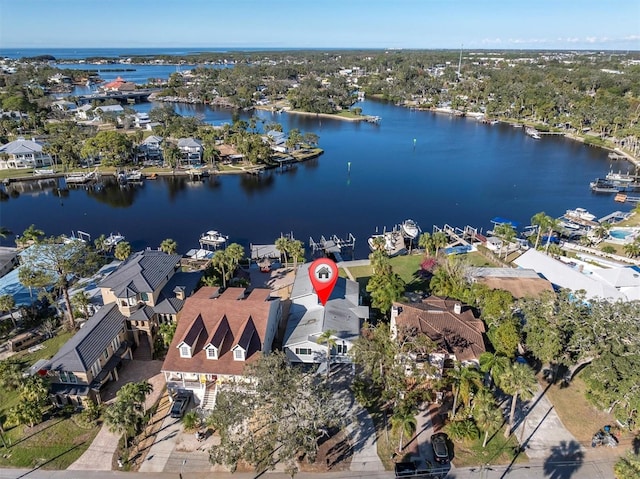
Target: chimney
[(457, 308)]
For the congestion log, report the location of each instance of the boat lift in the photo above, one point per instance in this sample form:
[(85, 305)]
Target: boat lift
[(333, 246)]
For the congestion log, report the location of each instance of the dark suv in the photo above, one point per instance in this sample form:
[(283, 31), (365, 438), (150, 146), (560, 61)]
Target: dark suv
[(180, 405), (440, 449)]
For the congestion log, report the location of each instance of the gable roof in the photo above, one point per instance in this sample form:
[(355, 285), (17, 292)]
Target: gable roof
[(84, 348), (144, 271), (152, 139), (224, 320), (189, 143), (458, 334)]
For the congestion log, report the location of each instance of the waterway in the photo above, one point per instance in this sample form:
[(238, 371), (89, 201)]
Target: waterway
[(433, 168)]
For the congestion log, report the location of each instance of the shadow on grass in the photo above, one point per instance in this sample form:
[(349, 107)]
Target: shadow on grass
[(51, 460), (25, 438)]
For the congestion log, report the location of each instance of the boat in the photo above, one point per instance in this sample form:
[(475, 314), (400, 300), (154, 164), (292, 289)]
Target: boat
[(600, 185), (130, 176), (532, 132), (112, 240), (80, 178), (213, 238), (410, 229), (619, 177), (579, 213)]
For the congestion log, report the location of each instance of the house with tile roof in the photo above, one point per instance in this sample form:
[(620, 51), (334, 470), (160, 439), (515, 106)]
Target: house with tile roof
[(457, 333), (217, 336), (149, 289), (308, 319), (87, 361), (23, 153), (119, 84)]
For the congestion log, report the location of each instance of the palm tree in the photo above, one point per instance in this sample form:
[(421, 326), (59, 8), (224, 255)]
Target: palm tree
[(296, 250), (487, 418), (123, 250), (169, 246), (282, 245), (327, 337), (506, 232), (404, 421), (602, 230), (425, 241), (440, 239), (7, 303), (81, 301), (466, 381), (494, 364), (4, 232), (541, 220), (632, 249), (463, 430), (31, 234), (518, 380), (552, 225)]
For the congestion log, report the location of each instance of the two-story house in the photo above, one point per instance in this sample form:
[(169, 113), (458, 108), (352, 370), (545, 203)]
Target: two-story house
[(456, 332), (149, 289), (309, 319), (217, 335), (150, 149), (23, 153), (87, 361)]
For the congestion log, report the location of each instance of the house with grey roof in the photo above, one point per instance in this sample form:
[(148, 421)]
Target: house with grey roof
[(87, 361), (191, 150), (149, 289), (150, 148), (23, 153), (308, 319)]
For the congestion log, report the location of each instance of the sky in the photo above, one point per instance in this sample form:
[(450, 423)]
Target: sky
[(407, 24)]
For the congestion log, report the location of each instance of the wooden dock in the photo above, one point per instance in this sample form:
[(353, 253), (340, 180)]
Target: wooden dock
[(334, 246)]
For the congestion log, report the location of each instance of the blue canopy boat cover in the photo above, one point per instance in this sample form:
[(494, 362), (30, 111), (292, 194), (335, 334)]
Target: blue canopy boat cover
[(498, 220)]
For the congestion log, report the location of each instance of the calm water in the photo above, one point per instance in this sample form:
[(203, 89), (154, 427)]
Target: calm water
[(459, 172)]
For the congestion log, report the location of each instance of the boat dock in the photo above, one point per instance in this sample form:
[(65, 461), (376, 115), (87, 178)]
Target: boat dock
[(464, 237), (333, 246), (624, 198), (264, 251)]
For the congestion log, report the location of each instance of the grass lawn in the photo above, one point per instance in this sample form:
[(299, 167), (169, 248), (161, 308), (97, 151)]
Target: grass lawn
[(385, 448), (576, 413), (498, 451), (51, 346), (53, 444)]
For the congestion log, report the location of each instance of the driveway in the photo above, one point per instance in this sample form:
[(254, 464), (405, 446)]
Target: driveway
[(99, 455)]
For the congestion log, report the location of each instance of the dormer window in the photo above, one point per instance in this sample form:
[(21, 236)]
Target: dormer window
[(185, 351), (238, 354), (212, 352)]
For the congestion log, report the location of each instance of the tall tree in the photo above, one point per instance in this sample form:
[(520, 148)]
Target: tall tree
[(466, 380), (518, 381), (122, 251), (385, 287), (404, 421), (169, 246), (7, 303)]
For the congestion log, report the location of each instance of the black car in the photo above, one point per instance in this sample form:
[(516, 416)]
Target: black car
[(440, 449), (180, 404)]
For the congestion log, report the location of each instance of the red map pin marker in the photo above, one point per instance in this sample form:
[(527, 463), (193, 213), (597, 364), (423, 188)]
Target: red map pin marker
[(324, 274)]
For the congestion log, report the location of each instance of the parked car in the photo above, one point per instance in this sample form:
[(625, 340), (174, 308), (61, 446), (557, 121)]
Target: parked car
[(180, 405), (440, 449)]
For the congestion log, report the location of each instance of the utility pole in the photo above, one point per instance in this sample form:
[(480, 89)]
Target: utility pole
[(460, 60)]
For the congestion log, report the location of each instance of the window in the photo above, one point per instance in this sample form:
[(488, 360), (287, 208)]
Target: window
[(238, 354), (185, 351), (303, 351), (342, 349), (95, 368), (72, 378), (144, 296), (63, 377), (106, 354), (212, 353)]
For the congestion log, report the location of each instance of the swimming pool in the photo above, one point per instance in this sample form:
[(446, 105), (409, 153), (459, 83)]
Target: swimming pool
[(619, 233)]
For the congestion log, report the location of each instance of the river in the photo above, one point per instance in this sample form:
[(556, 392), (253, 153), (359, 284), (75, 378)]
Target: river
[(433, 168)]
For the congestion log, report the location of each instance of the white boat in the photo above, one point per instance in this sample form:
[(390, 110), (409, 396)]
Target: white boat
[(619, 177), (213, 238), (112, 240), (410, 229), (580, 214), (80, 178), (532, 132)]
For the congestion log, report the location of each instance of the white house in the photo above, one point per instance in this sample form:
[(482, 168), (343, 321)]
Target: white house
[(308, 319), (191, 149), (23, 154)]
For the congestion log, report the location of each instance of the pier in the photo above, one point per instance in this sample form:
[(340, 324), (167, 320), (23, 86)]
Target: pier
[(465, 236), (333, 246)]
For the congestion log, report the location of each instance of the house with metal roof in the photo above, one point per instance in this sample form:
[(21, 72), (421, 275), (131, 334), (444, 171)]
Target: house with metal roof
[(217, 336), (308, 319), (149, 289), (87, 361), (520, 282), (191, 150), (23, 153)]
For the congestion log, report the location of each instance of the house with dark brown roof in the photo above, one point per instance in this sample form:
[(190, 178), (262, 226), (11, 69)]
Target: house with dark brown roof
[(217, 336), (457, 333)]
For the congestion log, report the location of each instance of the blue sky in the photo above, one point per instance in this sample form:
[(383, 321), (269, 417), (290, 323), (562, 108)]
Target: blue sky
[(491, 24)]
